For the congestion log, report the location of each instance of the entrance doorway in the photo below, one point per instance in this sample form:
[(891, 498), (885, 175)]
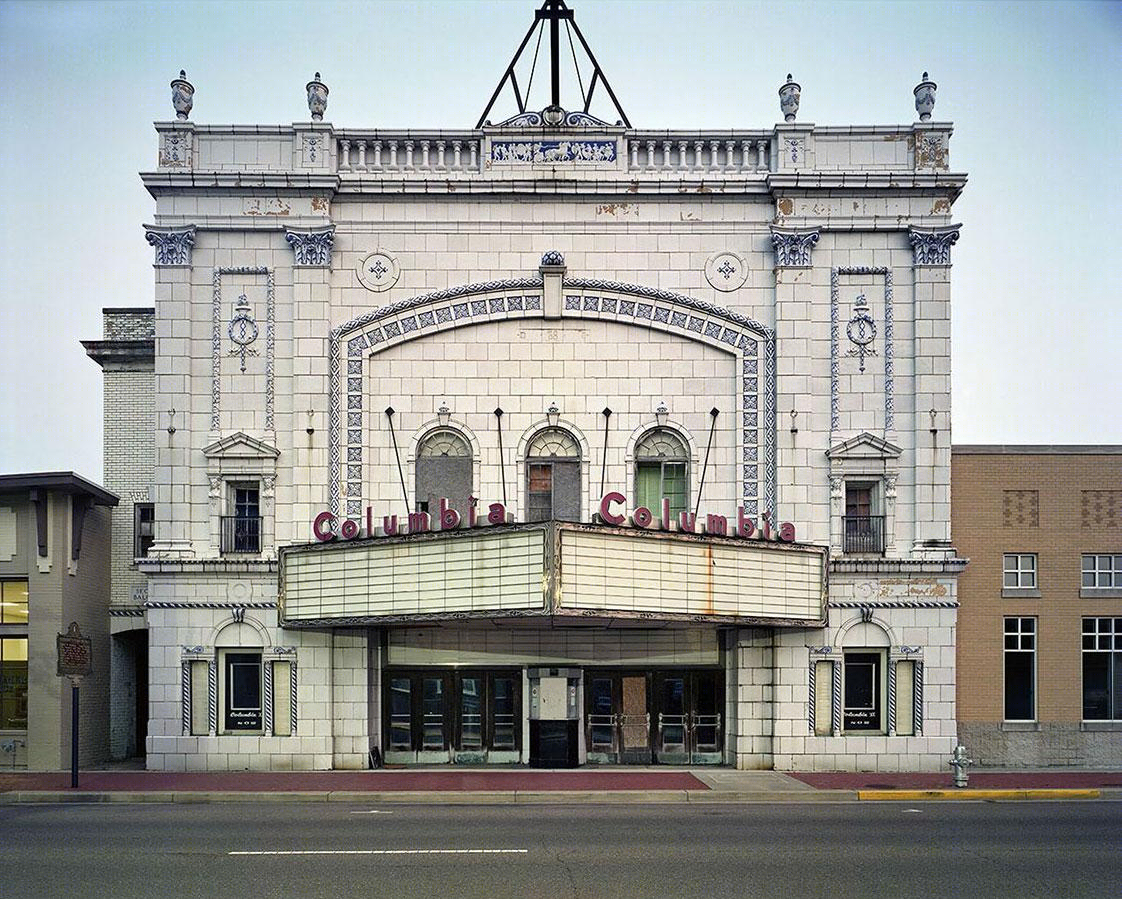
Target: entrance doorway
[(440, 715), (670, 717)]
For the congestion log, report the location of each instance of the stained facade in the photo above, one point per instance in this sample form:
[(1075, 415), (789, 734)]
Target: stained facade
[(399, 376)]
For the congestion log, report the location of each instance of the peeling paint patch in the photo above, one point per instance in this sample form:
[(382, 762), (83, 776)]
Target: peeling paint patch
[(319, 204), (270, 206), (618, 209), (785, 205), (941, 206)]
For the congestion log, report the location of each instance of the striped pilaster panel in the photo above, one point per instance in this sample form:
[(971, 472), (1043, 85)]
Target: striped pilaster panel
[(268, 699), (212, 695), (891, 698), (835, 698), (292, 702), (185, 694), (919, 698), (810, 695)]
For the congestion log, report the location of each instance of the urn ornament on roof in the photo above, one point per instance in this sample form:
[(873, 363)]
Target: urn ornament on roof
[(789, 95), (317, 98), (925, 98), (182, 95)]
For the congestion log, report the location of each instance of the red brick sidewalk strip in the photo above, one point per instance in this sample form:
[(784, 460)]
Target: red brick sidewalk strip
[(354, 781), (992, 780)]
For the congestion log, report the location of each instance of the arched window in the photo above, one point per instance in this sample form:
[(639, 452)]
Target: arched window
[(443, 470), (662, 469), (553, 476)]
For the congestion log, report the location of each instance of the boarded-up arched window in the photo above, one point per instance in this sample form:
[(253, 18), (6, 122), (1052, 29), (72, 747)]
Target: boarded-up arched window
[(662, 469), (553, 476), (443, 470)]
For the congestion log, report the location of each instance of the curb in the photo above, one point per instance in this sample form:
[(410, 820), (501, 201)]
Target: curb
[(966, 794), (547, 797), (420, 797)]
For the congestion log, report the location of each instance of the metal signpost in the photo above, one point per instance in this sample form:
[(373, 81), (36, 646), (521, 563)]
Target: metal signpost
[(74, 662)]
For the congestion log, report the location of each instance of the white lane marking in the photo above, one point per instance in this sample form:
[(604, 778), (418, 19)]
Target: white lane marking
[(381, 852), (373, 811), (916, 811)]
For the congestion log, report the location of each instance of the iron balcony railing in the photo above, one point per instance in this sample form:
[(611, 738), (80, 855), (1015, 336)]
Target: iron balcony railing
[(863, 533), (241, 534)]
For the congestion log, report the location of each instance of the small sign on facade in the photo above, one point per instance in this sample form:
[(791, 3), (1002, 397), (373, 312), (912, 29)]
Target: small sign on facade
[(74, 657)]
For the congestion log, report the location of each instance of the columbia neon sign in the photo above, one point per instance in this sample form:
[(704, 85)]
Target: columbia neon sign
[(328, 526)]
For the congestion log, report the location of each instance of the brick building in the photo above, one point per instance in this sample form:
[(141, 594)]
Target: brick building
[(1040, 623), (127, 354), (551, 441)]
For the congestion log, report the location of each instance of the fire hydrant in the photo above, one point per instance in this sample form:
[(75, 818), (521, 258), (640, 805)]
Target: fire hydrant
[(960, 762)]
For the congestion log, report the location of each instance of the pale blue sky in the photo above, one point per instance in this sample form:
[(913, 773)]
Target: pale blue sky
[(1032, 89)]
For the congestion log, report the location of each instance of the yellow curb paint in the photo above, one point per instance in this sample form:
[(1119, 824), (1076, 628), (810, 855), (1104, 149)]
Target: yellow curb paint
[(918, 795)]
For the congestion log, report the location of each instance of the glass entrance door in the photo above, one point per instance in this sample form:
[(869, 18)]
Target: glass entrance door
[(668, 717)]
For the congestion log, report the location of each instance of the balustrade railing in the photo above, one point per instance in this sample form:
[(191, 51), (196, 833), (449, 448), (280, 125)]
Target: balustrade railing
[(367, 153), (863, 533), (717, 154)]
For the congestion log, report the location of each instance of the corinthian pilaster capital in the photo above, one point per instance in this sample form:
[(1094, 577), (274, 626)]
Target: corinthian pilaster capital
[(792, 247), (932, 246), (312, 247), (173, 245)]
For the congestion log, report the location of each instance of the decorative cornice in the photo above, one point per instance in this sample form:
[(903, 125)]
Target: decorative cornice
[(932, 246), (895, 604), (312, 247), (211, 605), (792, 248), (173, 245)]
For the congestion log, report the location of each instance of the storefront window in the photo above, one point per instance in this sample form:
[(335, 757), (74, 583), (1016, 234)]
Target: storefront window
[(13, 683), (862, 709), (243, 691)]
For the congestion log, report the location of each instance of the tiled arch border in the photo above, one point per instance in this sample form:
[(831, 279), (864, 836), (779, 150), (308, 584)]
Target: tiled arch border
[(521, 298)]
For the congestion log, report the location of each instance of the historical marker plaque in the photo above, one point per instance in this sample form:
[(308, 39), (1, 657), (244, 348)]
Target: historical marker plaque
[(74, 657)]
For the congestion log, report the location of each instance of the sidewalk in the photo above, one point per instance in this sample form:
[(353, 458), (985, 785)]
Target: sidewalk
[(520, 785)]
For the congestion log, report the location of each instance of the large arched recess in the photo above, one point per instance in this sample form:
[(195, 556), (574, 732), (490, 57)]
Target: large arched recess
[(353, 342)]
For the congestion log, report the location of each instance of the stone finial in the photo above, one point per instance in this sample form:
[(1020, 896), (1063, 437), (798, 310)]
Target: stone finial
[(182, 95), (789, 95), (925, 98), (317, 98), (553, 257)]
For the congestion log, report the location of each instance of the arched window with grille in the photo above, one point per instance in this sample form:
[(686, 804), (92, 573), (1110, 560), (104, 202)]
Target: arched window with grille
[(444, 463), (553, 485), (662, 469)]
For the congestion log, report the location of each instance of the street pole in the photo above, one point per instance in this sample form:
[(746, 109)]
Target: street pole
[(74, 733)]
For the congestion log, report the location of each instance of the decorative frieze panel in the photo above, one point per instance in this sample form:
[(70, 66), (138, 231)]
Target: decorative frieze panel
[(932, 246), (861, 329), (792, 248), (173, 245), (241, 319), (311, 248), (544, 152)]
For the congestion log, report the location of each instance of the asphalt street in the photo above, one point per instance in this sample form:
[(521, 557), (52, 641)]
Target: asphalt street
[(342, 850)]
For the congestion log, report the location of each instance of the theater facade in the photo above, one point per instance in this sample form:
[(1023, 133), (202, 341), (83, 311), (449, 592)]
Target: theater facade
[(554, 441)]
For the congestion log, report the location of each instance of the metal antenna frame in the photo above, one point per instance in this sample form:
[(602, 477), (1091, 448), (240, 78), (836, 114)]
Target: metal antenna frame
[(554, 11)]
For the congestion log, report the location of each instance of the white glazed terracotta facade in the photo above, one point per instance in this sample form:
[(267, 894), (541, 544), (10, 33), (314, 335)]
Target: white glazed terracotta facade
[(309, 276)]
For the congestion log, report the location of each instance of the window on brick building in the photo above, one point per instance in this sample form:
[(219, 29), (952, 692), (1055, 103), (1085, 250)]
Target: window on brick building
[(143, 529), (1020, 669), (1102, 669), (1018, 574), (1101, 572)]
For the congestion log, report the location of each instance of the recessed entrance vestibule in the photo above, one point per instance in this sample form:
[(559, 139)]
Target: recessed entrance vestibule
[(671, 716)]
